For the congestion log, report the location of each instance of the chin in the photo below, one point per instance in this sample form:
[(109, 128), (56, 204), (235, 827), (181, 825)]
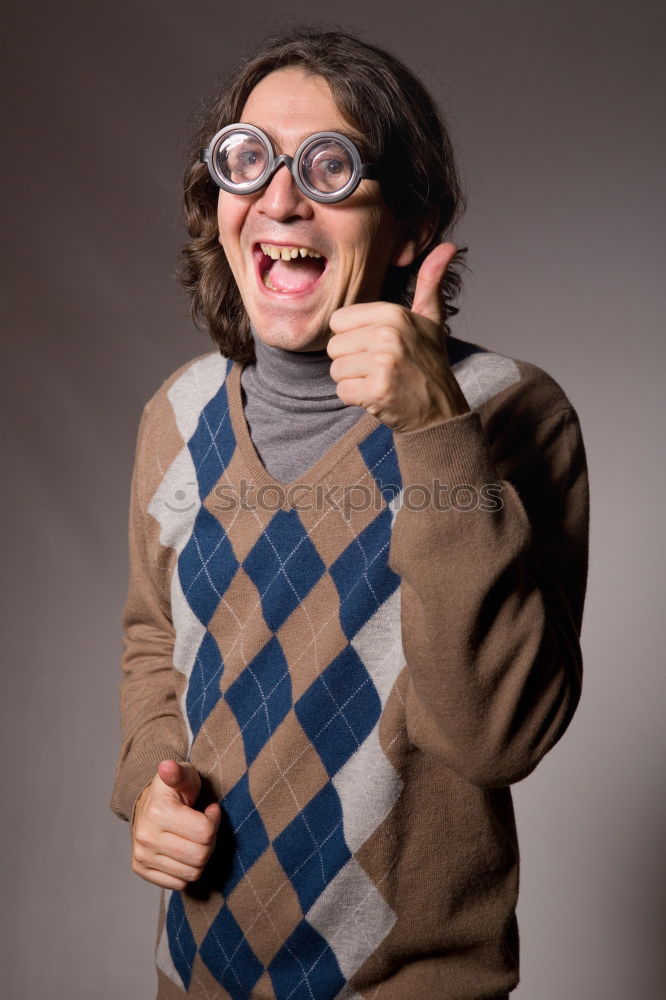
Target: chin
[(291, 335)]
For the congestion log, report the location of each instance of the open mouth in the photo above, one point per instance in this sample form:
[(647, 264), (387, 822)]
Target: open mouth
[(289, 269)]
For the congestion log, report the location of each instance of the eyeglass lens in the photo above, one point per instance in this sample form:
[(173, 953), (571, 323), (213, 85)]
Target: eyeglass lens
[(326, 165), (241, 158)]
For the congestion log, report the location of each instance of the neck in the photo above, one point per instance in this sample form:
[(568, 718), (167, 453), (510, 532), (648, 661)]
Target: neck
[(293, 380), (292, 409)]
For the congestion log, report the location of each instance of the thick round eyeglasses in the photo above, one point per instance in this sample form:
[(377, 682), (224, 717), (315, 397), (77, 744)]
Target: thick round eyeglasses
[(327, 166)]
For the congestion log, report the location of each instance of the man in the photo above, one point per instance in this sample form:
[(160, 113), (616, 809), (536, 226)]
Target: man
[(358, 559)]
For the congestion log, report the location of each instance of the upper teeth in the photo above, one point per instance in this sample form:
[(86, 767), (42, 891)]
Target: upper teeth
[(286, 253)]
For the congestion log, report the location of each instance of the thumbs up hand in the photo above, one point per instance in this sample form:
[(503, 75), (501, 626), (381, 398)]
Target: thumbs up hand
[(172, 841), (392, 360)]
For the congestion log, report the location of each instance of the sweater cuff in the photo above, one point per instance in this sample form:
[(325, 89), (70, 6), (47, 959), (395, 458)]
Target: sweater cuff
[(135, 774), (456, 448)]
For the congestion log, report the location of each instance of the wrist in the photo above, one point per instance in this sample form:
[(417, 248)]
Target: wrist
[(138, 803), (449, 402)]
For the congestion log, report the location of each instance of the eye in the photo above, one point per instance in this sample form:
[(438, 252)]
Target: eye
[(242, 158), (245, 162), (328, 166), (332, 166)]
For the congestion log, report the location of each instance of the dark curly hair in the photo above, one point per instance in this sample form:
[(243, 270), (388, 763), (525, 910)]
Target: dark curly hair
[(403, 132)]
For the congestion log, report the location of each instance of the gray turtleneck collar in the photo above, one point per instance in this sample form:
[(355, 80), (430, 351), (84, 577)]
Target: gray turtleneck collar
[(293, 412)]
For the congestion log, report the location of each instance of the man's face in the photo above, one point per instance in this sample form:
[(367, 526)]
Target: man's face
[(290, 302)]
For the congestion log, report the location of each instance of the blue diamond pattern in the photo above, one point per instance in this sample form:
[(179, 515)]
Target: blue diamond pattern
[(337, 713), (284, 565), (229, 957), (340, 709), (379, 455), (312, 849), (305, 967), (213, 442), (206, 566), (181, 940), (458, 350), (261, 697), (203, 691), (249, 832), (362, 575)]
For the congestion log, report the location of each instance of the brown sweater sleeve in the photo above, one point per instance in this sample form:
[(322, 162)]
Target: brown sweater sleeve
[(492, 600), (153, 727)]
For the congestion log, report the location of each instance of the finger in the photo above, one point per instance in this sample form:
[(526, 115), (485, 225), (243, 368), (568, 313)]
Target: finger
[(167, 865), (159, 878), (427, 296), (185, 852), (353, 391), (352, 366), (383, 337), (144, 860), (352, 341), (182, 779), (365, 314), (169, 815), (188, 823), (214, 814)]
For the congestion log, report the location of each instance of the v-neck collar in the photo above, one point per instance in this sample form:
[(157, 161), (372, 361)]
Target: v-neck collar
[(256, 467)]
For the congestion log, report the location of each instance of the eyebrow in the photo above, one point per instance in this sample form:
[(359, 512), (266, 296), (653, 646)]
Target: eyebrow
[(353, 136)]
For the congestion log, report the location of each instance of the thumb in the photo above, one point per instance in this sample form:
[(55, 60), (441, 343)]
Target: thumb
[(427, 300), (182, 779)]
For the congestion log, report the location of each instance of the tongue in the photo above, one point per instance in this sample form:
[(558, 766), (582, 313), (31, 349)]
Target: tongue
[(293, 276)]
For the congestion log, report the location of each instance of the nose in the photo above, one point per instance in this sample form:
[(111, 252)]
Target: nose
[(281, 199)]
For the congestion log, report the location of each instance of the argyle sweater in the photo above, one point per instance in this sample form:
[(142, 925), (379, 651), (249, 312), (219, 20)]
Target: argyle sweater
[(359, 664)]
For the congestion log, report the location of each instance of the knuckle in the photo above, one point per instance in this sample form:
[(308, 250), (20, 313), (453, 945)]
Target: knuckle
[(153, 812), (202, 856), (381, 378), (399, 316), (333, 346), (387, 338), (344, 393), (195, 857), (140, 835), (381, 388), (384, 362), (191, 870), (201, 828), (139, 869)]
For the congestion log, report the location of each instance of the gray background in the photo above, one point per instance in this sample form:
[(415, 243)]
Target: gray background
[(557, 111)]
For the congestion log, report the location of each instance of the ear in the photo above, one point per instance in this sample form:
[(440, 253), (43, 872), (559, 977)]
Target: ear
[(407, 249)]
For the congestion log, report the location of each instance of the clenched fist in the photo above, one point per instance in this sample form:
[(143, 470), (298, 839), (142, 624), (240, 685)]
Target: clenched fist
[(392, 360), (171, 841)]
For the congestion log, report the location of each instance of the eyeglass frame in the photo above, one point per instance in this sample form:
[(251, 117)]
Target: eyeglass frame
[(360, 169)]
